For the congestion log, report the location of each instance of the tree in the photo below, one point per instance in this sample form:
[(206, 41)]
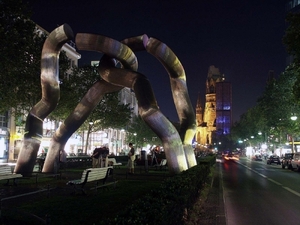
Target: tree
[(291, 38), (109, 113), (249, 125), (20, 48), (291, 41), (73, 86), (281, 97), (140, 133)]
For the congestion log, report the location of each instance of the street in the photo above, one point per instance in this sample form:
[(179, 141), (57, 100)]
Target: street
[(257, 193)]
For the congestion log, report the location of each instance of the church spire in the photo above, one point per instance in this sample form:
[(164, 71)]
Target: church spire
[(199, 111)]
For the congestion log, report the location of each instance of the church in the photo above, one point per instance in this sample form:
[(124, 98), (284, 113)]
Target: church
[(215, 119)]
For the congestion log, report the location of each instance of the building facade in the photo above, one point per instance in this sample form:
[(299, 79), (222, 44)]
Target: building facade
[(223, 108)]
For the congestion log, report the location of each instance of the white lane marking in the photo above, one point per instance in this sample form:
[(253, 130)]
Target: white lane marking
[(271, 180), (260, 174), (275, 182), (292, 191)]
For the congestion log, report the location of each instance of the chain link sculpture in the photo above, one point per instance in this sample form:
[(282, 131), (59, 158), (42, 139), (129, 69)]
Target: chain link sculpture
[(177, 144)]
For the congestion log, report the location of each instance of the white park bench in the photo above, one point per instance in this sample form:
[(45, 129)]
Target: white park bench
[(7, 174), (97, 175), (114, 162)]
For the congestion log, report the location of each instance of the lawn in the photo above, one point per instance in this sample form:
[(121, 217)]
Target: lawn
[(61, 206)]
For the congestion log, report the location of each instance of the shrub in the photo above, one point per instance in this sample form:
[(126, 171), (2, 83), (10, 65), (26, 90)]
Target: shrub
[(167, 204)]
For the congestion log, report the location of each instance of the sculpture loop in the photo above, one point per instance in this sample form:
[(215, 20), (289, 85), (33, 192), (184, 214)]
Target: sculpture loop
[(177, 144)]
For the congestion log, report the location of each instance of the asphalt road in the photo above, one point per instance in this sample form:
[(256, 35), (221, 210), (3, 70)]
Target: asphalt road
[(255, 193)]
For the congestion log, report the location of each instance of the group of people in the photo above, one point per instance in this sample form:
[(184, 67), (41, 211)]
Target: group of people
[(100, 154)]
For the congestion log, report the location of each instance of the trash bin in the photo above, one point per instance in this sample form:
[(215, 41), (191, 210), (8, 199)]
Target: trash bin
[(143, 155), (144, 159)]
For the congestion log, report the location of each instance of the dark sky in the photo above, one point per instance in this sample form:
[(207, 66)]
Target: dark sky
[(241, 38)]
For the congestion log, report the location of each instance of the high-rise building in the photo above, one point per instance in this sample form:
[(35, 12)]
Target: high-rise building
[(292, 5), (216, 117), (223, 108)]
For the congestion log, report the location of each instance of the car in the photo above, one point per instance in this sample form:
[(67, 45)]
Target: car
[(257, 158), (231, 156), (219, 158), (295, 161), (273, 159), (286, 160)]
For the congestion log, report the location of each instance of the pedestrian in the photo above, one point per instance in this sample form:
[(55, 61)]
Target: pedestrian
[(95, 157), (104, 156), (131, 158), (62, 159)]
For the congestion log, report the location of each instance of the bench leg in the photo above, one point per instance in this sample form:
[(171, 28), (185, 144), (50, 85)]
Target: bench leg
[(83, 191), (7, 183), (75, 190), (15, 183)]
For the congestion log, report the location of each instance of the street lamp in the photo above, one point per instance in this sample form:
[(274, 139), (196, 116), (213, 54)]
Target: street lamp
[(293, 117), (134, 138)]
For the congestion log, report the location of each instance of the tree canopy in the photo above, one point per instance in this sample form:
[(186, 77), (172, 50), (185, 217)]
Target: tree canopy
[(280, 100), (140, 133), (21, 46)]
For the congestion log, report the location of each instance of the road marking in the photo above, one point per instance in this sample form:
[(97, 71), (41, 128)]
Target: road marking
[(271, 180), (292, 191), (275, 182), (260, 174)]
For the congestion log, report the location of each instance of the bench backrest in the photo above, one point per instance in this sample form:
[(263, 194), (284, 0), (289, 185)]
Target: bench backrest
[(5, 170), (84, 175), (95, 174), (113, 160)]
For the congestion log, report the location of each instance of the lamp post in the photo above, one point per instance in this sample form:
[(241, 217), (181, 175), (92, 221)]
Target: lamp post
[(293, 117), (135, 139)]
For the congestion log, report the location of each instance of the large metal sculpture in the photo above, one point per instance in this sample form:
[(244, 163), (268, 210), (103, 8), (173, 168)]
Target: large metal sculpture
[(50, 97), (177, 144)]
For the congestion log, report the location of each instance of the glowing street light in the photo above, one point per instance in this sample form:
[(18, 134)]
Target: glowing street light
[(134, 138), (293, 117)]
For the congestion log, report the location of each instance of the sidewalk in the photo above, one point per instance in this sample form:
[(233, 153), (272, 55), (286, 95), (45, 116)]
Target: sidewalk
[(214, 208)]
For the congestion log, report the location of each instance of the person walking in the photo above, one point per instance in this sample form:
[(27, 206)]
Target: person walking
[(95, 158), (131, 158), (62, 159)]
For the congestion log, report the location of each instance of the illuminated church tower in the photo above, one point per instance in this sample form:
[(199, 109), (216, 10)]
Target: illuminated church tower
[(207, 120)]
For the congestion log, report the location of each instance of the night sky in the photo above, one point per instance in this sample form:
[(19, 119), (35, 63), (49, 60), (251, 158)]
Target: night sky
[(241, 38)]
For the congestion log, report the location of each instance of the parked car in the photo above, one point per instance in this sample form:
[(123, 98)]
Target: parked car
[(257, 158), (273, 159), (295, 162), (219, 158), (286, 160)]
